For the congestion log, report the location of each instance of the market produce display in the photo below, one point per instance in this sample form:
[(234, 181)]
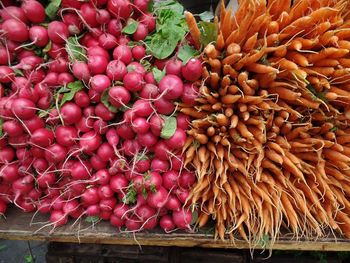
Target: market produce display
[(88, 111), (270, 135)]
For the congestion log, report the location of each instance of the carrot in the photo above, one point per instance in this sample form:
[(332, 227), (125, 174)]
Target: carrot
[(344, 62), (336, 156), (230, 99), (260, 68), (249, 59), (220, 42), (250, 43), (295, 45), (344, 44), (285, 93), (232, 59), (234, 121), (214, 80), (343, 34), (290, 166), (242, 129), (233, 48), (319, 71), (273, 28), (327, 63), (193, 28), (211, 51), (273, 156), (284, 19), (193, 113)]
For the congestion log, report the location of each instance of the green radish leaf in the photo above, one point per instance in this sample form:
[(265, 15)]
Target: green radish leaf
[(144, 193), (70, 91), (146, 64), (169, 5), (29, 259), (169, 127), (187, 52), (1, 130), (131, 68), (92, 219), (158, 74), (150, 6), (52, 8), (206, 16), (194, 217), (43, 113), (105, 101), (131, 196), (153, 188), (208, 32), (131, 26), (18, 72), (76, 52)]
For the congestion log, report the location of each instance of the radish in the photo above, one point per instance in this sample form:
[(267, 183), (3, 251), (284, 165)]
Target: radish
[(9, 172), (97, 51), (58, 218), (42, 137), (100, 83), (81, 98), (149, 20), (39, 36), (121, 210), (125, 131), (142, 108), (81, 170), (153, 181), (161, 150), (13, 12), (177, 141), (46, 179), (177, 163), (107, 205), (138, 52), (100, 126), (23, 108), (164, 106), (192, 71), (173, 203), (170, 179), (97, 164), (149, 78), (97, 64), (40, 165), (182, 194), (141, 32), (167, 223), (70, 207), (92, 210), (172, 86), (55, 153), (12, 128), (119, 96), (89, 13), (119, 8), (105, 152), (149, 91), (90, 141), (140, 125), (190, 94), (173, 67), (34, 11), (103, 16), (34, 123), (107, 41), (6, 74), (105, 191), (131, 147), (158, 165), (104, 113), (118, 183), (73, 23), (182, 121), (123, 53), (71, 113), (133, 223), (102, 176), (182, 218), (158, 199), (15, 30), (147, 139), (156, 123), (81, 71), (136, 67), (115, 27), (90, 196), (58, 32), (66, 135), (116, 70), (187, 179), (116, 221)]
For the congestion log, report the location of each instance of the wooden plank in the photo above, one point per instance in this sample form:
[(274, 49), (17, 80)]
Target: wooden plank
[(17, 226)]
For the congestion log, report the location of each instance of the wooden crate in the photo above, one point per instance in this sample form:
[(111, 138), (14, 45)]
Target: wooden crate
[(17, 226)]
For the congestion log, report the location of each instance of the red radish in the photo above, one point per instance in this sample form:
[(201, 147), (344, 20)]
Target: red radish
[(158, 199), (149, 20), (177, 163), (39, 36), (115, 27), (6, 74), (158, 165), (107, 41), (123, 53), (97, 64), (9, 172), (116, 221), (190, 94), (118, 183), (149, 78), (34, 123), (182, 218), (153, 181), (97, 51), (192, 71), (12, 128), (164, 106), (121, 210), (59, 65), (23, 108), (81, 98), (100, 126), (116, 70), (167, 223), (119, 8), (187, 179), (57, 51), (138, 52), (170, 179), (112, 137), (42, 137), (90, 196), (103, 16), (58, 32), (81, 70), (140, 125), (92, 210), (182, 121), (13, 12), (55, 153), (172, 86), (137, 183), (102, 176), (15, 30), (173, 67), (100, 83), (66, 135), (104, 113), (177, 141), (34, 11), (65, 78), (71, 113), (133, 223), (119, 96), (141, 32), (81, 170), (173, 203), (142, 108), (5, 57), (182, 194), (46, 179), (108, 204), (70, 207), (149, 91), (44, 206), (125, 131), (58, 218), (147, 139), (6, 154), (145, 212), (105, 192), (131, 147), (161, 150), (73, 23), (105, 152), (89, 13), (90, 141), (156, 123)]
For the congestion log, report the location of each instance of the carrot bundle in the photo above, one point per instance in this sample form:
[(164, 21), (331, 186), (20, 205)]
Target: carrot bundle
[(269, 138)]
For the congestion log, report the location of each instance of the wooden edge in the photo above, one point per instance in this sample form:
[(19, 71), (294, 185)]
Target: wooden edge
[(17, 227)]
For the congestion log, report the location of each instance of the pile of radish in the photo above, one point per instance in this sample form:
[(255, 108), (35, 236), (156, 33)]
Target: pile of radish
[(88, 117)]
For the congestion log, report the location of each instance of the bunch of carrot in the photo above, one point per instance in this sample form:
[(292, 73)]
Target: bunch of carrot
[(270, 136)]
